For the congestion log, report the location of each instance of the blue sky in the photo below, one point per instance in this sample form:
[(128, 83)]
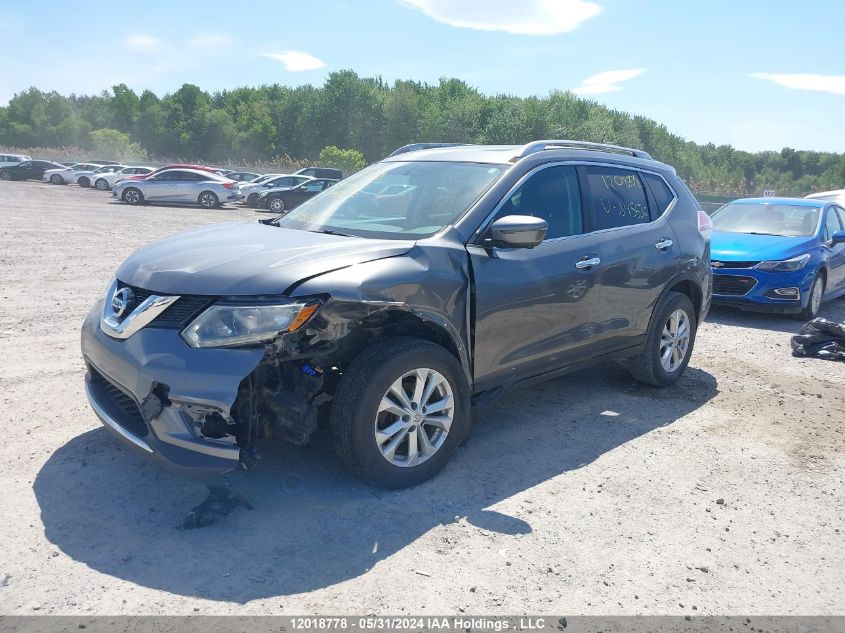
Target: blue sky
[(752, 73)]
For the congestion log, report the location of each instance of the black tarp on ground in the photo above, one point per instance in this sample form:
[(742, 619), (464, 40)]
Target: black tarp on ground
[(820, 338)]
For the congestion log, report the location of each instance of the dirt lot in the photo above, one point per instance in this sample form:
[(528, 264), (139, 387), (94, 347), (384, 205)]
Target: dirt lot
[(589, 494)]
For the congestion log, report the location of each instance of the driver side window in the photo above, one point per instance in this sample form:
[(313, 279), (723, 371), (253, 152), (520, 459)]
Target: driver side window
[(552, 194), (831, 224)]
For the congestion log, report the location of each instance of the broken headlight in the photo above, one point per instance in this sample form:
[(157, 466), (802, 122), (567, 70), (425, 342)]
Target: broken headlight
[(228, 325)]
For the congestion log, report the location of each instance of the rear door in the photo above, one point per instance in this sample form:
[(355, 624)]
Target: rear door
[(190, 185), (535, 308), (638, 251)]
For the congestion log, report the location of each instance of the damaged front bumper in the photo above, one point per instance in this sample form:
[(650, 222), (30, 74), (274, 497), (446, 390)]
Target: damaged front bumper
[(154, 392)]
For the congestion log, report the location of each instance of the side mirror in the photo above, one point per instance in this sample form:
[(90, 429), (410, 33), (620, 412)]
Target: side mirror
[(838, 238), (518, 231)]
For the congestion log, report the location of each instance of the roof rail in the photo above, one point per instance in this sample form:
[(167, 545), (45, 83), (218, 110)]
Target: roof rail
[(539, 146), (414, 147)]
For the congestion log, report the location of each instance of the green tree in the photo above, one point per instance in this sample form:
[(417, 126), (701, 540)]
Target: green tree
[(117, 145), (347, 160)]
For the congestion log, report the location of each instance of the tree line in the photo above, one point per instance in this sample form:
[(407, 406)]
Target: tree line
[(375, 117)]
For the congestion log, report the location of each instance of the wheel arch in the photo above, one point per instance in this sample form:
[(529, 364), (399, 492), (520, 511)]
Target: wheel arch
[(397, 322), (686, 285)]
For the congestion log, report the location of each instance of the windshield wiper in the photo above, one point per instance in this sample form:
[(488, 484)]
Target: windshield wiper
[(332, 232), (757, 233)]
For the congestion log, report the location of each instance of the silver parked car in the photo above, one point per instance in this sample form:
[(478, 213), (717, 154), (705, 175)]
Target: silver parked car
[(190, 186)]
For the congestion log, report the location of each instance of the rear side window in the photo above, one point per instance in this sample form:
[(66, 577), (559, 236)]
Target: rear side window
[(615, 197), (663, 196), (553, 195)]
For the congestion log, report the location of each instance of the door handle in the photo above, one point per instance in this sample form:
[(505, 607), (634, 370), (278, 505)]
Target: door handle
[(587, 263), (663, 244)]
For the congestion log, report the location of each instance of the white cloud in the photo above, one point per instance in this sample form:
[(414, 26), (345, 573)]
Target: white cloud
[(607, 81), (143, 44), (525, 17), (834, 84), (297, 61), (210, 41)]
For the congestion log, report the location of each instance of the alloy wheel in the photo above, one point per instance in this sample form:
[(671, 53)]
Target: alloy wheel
[(101, 184), (208, 200), (132, 196), (414, 417), (674, 341)]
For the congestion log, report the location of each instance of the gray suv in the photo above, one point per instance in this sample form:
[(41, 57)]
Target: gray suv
[(387, 305)]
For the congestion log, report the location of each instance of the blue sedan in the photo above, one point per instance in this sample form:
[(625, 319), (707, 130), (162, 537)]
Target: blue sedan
[(783, 255)]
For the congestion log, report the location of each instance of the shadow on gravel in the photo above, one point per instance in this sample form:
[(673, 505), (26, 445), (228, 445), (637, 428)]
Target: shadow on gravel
[(314, 525), (786, 323)]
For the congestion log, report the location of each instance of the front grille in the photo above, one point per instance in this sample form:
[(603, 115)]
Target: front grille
[(735, 285), (179, 314), (726, 264), (130, 416)]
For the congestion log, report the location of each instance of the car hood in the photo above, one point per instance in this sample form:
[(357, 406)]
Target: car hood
[(746, 247), (246, 258)]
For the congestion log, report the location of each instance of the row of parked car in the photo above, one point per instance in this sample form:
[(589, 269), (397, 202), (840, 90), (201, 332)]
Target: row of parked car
[(201, 185)]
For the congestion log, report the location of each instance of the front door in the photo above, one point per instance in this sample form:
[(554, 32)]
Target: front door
[(535, 308), (164, 187), (835, 221)]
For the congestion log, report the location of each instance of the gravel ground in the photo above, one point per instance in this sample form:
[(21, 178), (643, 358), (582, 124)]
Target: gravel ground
[(589, 494)]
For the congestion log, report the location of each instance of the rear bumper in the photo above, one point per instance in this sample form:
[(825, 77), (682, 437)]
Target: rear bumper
[(152, 391)]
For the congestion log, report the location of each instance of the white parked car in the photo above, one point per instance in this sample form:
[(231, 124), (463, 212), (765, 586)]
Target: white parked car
[(106, 181), (189, 186), (66, 175), (10, 160), (86, 177), (837, 195)]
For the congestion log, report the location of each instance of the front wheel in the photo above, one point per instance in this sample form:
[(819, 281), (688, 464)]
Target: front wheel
[(669, 342), (276, 205), (208, 200), (5, 175), (814, 302), (101, 184), (133, 196), (400, 410), (83, 182), (57, 180)]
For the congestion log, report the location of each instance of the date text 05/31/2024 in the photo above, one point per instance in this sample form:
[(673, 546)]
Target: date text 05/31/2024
[(417, 623)]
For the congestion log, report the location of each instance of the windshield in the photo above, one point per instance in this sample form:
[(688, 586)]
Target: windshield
[(786, 220), (429, 196)]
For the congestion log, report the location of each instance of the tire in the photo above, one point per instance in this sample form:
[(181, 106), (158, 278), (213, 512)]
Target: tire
[(276, 205), (357, 416), (84, 182), (653, 366), (814, 302), (252, 200), (208, 200), (57, 180), (5, 175), (101, 184), (133, 196)]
